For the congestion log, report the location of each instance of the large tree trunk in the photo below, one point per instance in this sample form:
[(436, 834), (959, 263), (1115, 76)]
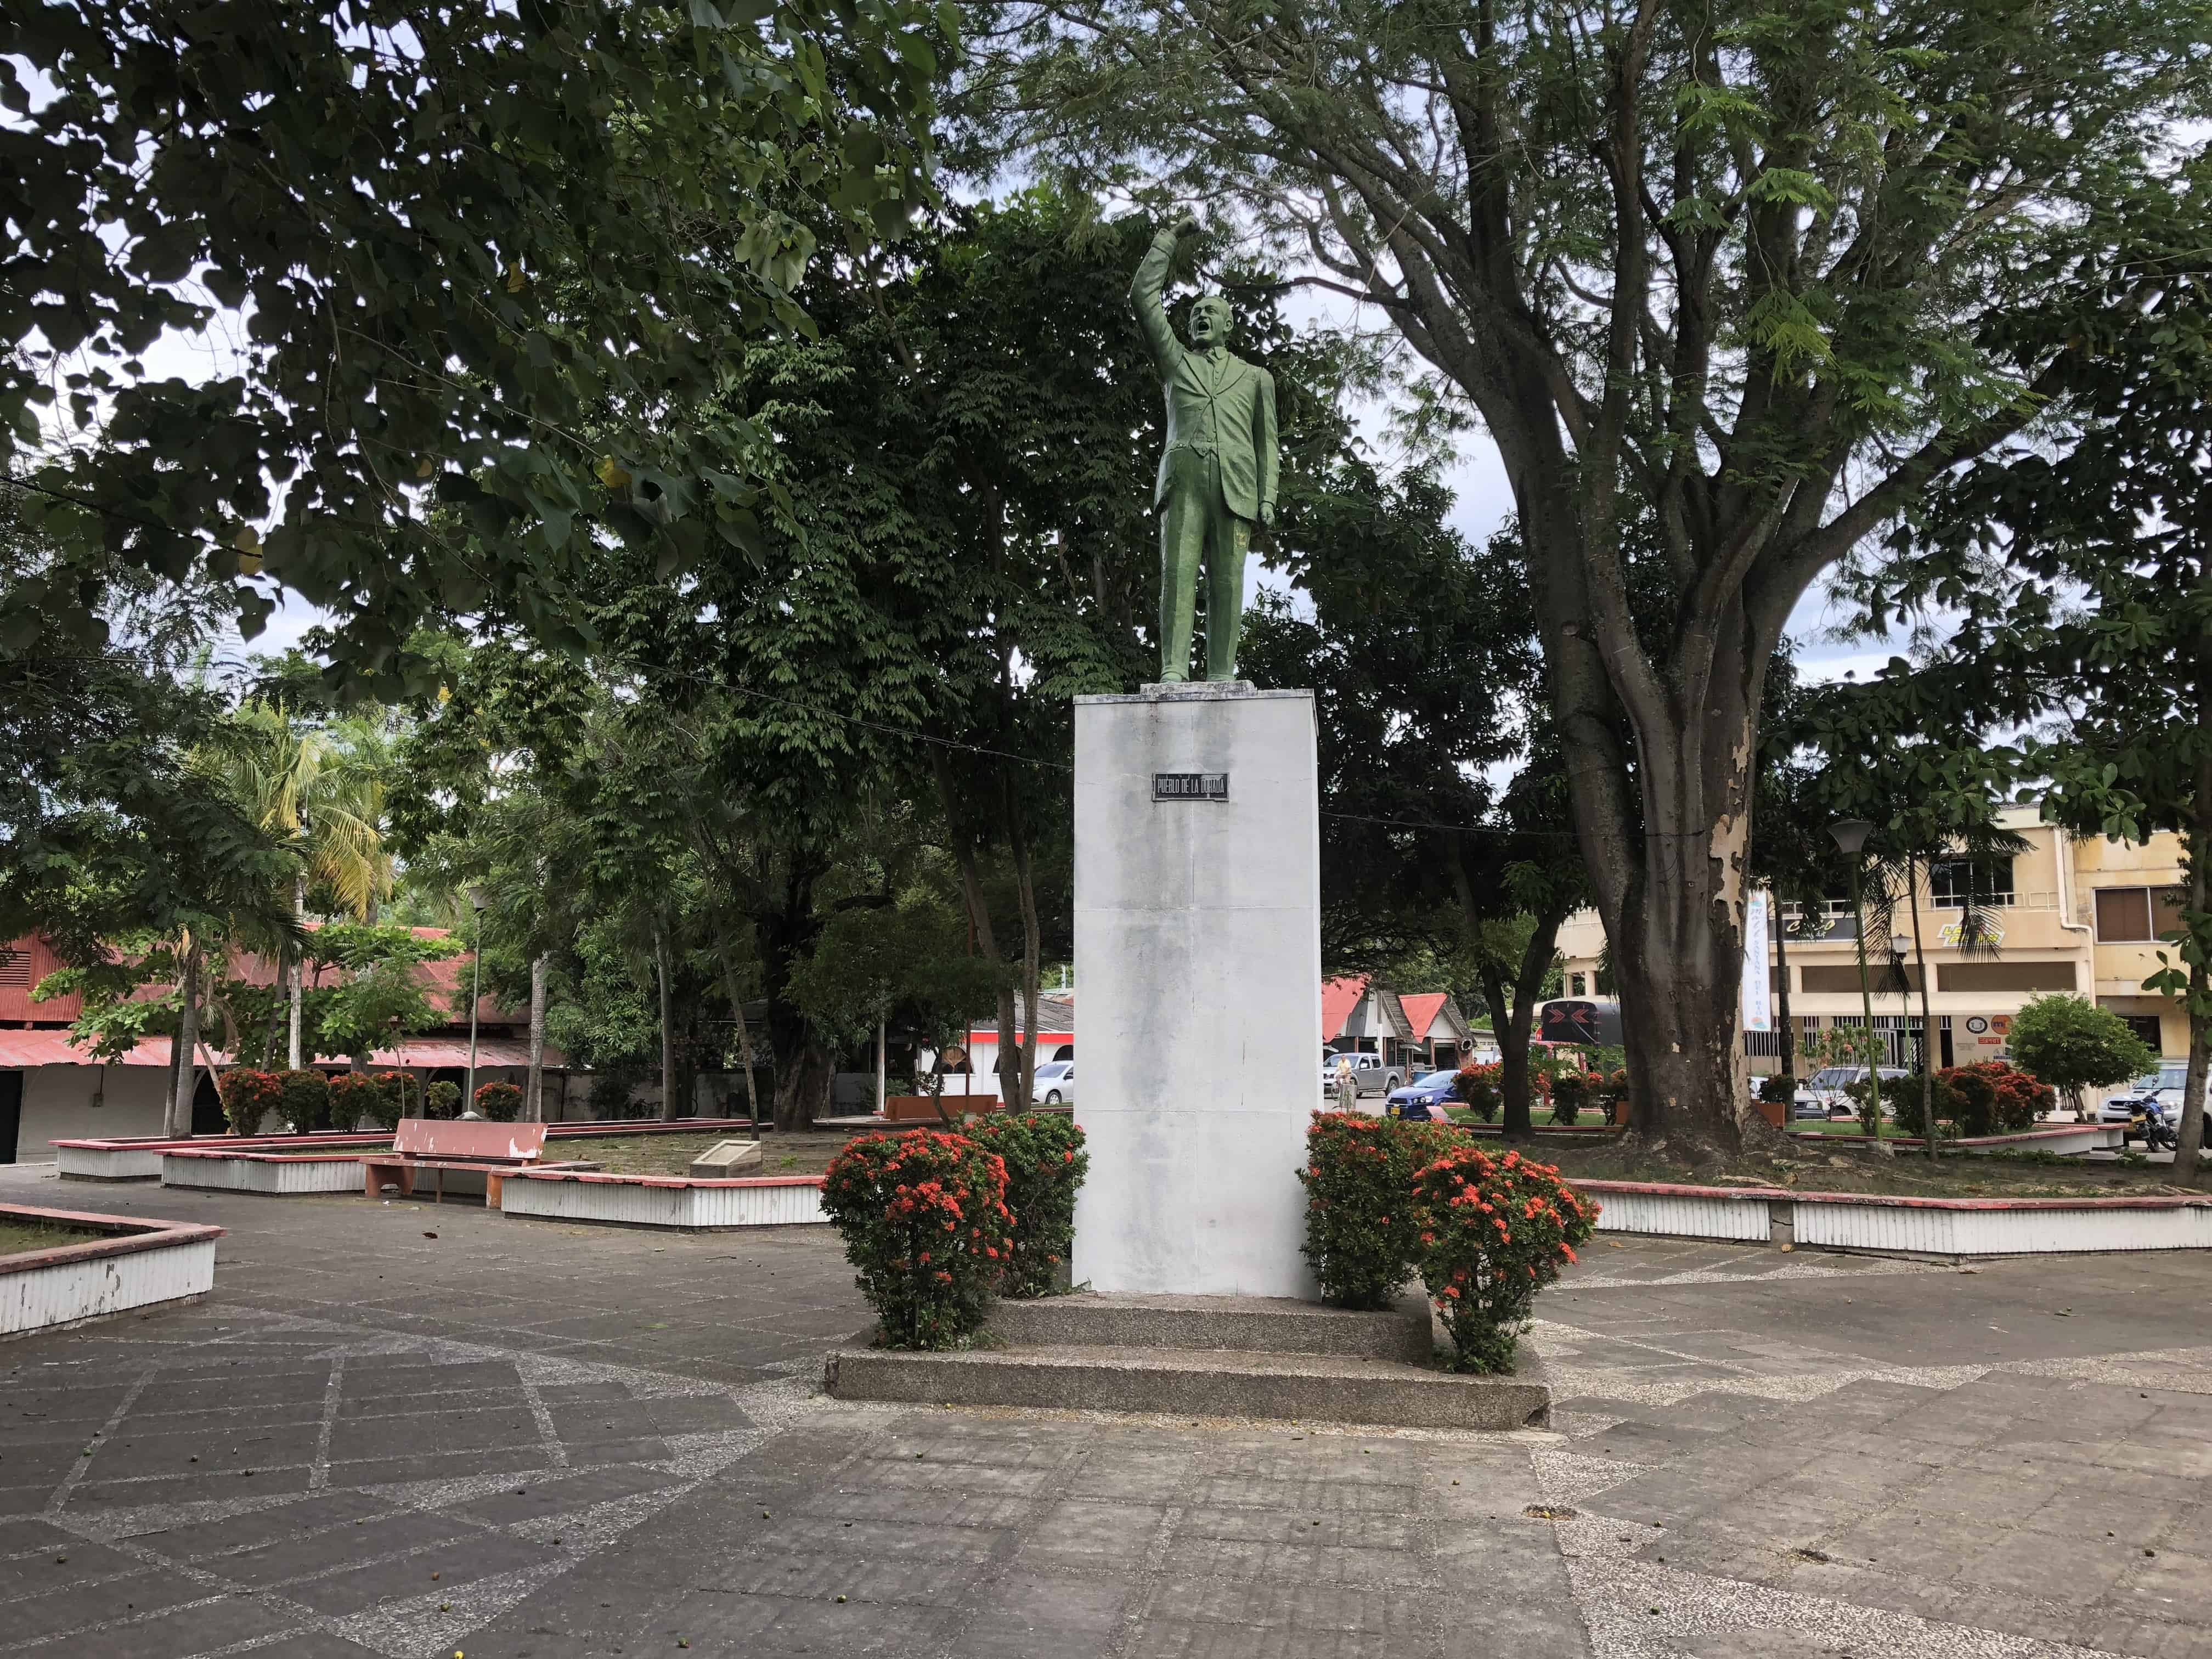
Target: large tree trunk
[(1928, 1049), (784, 932), (295, 980), (667, 1032), (1785, 1029), (1666, 865), (535, 1109), (188, 1037), (1513, 1017), (744, 1044), (803, 1084), (1017, 840), (981, 925), (2188, 1144)]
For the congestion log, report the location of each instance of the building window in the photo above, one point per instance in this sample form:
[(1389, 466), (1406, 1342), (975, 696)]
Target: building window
[(2146, 1027), (2004, 976), (1953, 883), (1580, 986), (2135, 915)]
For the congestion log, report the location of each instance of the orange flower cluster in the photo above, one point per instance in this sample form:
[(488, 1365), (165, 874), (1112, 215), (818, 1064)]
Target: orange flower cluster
[(1046, 1163), (1495, 1231), (1360, 1229), (925, 1222)]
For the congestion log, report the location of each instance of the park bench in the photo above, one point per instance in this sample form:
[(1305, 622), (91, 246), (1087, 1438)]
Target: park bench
[(493, 1150)]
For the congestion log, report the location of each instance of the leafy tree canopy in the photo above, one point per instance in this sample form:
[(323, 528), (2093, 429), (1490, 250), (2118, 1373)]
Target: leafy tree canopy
[(2072, 1044), (471, 272), (1728, 285)]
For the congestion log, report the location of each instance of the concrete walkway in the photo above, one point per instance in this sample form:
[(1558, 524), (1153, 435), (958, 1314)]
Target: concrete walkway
[(526, 1439)]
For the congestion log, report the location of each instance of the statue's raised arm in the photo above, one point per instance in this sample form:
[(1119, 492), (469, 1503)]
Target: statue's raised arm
[(1151, 282)]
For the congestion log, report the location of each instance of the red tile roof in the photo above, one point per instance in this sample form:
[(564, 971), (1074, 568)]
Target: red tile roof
[(1422, 1010), (25, 962), (1339, 997), (23, 1049)]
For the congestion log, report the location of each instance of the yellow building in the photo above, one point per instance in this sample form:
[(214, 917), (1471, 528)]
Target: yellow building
[(2080, 916)]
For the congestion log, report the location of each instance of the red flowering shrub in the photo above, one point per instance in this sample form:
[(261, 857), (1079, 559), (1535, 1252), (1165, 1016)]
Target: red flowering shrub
[(1481, 1088), (1359, 1175), (1046, 1163), (500, 1100), (924, 1217), (2000, 1093), (354, 1096), (1493, 1232), (1989, 1097), (248, 1096)]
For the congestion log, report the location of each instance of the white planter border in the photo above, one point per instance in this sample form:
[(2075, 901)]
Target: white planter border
[(1880, 1225), (139, 1158), (688, 1204), (271, 1173), (142, 1263)]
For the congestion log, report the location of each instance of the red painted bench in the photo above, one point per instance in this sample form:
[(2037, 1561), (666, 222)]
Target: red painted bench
[(495, 1150)]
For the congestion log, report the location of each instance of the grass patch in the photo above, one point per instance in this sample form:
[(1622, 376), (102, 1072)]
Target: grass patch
[(800, 1154), (1902, 1174), (20, 1237)]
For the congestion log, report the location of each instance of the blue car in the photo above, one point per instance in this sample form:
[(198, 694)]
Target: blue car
[(1423, 1100)]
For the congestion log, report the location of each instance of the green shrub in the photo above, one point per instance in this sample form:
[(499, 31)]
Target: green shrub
[(304, 1099), (924, 1217), (1989, 1097), (1481, 1088), (1493, 1232), (1779, 1087), (442, 1099), (1871, 1092), (1903, 1095), (1570, 1091), (500, 1100), (2073, 1044), (608, 1098), (1360, 1236), (353, 1096), (1045, 1162), (400, 1095), (248, 1096)]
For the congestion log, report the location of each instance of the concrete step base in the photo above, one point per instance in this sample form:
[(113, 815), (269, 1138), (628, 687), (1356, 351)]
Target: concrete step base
[(1255, 1324), (1186, 1381)]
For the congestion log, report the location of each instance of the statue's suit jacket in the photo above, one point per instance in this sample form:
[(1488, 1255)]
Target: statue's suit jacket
[(1215, 401)]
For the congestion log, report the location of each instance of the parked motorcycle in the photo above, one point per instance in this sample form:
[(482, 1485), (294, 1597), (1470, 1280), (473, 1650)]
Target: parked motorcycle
[(2149, 1122)]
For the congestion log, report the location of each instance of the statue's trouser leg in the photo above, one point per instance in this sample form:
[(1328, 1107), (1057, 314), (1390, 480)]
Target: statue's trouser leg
[(1183, 546), (1228, 539)]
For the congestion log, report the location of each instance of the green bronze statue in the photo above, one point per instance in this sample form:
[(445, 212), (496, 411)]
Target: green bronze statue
[(1217, 475)]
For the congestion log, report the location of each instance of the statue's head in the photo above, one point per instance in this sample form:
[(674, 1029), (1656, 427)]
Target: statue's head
[(1212, 322)]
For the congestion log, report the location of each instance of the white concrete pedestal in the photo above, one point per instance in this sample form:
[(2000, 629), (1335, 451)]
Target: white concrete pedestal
[(1198, 976)]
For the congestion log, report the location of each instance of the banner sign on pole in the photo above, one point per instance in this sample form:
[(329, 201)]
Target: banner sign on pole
[(1758, 1011)]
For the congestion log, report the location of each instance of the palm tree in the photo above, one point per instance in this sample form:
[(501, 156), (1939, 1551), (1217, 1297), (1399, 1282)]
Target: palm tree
[(320, 791), (1894, 874)]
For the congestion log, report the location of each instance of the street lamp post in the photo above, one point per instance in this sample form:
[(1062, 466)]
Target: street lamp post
[(477, 903), (1851, 838)]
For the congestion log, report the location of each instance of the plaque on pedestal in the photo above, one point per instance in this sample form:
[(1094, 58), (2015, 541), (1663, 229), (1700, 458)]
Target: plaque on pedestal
[(1197, 960)]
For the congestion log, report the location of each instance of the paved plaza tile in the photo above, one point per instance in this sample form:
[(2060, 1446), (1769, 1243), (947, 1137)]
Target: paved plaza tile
[(406, 1429)]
